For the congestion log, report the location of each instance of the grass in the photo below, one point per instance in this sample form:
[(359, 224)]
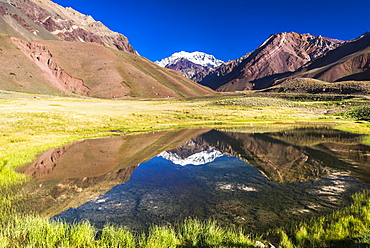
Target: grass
[(31, 124), (32, 231)]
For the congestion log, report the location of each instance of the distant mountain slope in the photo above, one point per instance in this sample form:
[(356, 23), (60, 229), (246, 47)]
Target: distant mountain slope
[(279, 55), (195, 65), (190, 70), (351, 61), (43, 19), (89, 69)]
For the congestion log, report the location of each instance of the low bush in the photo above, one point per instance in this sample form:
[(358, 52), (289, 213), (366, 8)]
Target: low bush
[(361, 113)]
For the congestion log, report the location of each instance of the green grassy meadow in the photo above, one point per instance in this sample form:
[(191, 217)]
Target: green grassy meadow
[(31, 124)]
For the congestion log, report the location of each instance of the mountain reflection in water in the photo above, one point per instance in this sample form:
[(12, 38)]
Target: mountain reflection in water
[(253, 179)]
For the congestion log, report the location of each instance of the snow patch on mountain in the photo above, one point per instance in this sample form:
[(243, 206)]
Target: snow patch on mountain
[(199, 158), (198, 58)]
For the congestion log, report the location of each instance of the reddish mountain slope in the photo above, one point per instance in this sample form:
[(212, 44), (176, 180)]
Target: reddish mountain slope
[(351, 61), (90, 69), (280, 54)]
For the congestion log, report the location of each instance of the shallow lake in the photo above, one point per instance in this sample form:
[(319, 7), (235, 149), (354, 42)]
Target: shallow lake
[(256, 180)]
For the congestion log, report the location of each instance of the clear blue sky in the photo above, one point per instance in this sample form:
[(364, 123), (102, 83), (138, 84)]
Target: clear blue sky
[(227, 29)]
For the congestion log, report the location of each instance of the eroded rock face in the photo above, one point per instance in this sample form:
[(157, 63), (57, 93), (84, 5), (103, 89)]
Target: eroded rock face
[(43, 58), (349, 62), (23, 22), (279, 54), (68, 24)]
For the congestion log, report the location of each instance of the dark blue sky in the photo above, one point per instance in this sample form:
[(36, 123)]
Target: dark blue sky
[(227, 29)]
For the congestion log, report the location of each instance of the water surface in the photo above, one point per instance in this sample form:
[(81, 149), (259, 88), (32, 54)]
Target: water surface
[(257, 180)]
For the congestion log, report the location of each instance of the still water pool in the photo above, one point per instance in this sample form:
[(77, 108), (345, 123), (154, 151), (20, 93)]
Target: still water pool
[(256, 180)]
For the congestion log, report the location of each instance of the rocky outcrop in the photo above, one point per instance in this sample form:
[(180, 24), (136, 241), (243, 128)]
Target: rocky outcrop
[(279, 55), (23, 23), (68, 24), (351, 61), (55, 74)]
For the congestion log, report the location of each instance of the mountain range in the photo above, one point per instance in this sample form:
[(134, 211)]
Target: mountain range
[(286, 56), (46, 48)]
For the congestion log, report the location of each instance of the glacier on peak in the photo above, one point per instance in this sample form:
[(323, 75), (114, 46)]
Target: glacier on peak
[(198, 58), (199, 158)]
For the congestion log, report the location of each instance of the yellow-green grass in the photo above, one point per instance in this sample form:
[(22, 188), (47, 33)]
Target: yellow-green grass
[(30, 125)]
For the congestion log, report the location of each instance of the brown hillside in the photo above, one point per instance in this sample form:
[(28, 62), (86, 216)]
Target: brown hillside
[(110, 73), (278, 56), (59, 67)]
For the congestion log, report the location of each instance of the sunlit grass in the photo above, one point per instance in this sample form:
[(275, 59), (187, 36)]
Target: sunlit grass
[(342, 228)]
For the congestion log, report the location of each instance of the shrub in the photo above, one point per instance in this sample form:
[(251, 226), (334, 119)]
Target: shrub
[(360, 113)]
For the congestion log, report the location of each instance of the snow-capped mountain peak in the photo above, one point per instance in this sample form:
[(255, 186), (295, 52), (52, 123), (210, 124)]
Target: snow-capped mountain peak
[(198, 58), (199, 158)]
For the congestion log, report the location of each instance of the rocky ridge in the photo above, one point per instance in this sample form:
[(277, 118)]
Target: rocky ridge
[(63, 23), (280, 54), (350, 61)]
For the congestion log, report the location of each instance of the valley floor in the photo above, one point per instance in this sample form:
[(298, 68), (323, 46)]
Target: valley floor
[(31, 124)]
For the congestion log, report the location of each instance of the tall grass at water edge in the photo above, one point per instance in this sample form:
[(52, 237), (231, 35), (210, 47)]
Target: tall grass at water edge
[(33, 231)]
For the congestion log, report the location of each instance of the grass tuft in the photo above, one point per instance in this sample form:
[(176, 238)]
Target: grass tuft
[(114, 236)]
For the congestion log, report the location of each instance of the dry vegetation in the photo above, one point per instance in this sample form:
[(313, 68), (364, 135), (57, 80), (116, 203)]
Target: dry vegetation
[(309, 85)]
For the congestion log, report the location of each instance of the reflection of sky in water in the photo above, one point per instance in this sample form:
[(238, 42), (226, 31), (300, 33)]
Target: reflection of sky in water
[(227, 189)]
